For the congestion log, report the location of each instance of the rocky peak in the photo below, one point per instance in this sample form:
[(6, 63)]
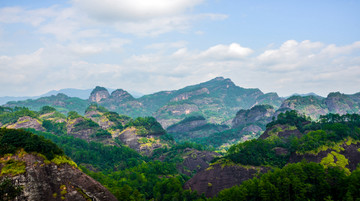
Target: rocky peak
[(224, 81), (121, 95), (98, 94)]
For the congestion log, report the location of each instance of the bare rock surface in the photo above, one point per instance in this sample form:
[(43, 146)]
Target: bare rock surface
[(48, 181), (218, 177), (27, 122)]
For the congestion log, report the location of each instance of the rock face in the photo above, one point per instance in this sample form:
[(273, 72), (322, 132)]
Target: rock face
[(142, 144), (252, 122), (98, 94), (216, 178), (314, 106), (187, 95), (194, 127), (186, 126), (27, 122), (195, 161), (342, 104), (260, 113), (48, 181), (121, 95), (83, 132)]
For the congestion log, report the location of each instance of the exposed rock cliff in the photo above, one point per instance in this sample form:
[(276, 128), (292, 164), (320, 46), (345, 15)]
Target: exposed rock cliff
[(195, 161), (342, 103), (121, 95), (218, 177), (261, 114), (44, 180), (98, 94), (144, 144), (314, 106), (27, 122)]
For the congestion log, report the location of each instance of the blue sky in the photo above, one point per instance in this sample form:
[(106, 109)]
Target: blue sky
[(147, 46)]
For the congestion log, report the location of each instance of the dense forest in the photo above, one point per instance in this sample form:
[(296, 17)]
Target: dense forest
[(130, 175)]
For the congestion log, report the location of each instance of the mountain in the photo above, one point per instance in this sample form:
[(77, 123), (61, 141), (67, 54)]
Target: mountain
[(43, 176), (71, 92), (98, 125), (307, 94), (217, 100), (294, 149), (61, 102), (314, 106), (6, 99)]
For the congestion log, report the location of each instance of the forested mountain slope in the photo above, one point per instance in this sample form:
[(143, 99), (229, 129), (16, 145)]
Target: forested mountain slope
[(332, 143)]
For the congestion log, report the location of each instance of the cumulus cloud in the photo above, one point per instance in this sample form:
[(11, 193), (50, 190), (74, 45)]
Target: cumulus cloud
[(115, 10), (88, 52), (294, 66), (232, 51)]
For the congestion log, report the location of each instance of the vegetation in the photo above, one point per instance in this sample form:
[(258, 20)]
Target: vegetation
[(147, 126), (9, 115), (327, 133), (300, 181), (13, 167), (100, 156), (12, 140), (130, 176), (291, 118)]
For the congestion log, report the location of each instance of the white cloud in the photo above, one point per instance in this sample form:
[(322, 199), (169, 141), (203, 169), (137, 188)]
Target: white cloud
[(293, 67), (124, 10), (157, 26), (232, 51)]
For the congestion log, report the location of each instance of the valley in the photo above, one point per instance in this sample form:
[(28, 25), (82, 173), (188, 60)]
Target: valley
[(210, 141)]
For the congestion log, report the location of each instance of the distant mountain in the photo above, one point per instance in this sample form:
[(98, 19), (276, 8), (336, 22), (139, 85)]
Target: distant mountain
[(6, 99), (217, 100), (307, 94), (314, 106), (61, 102), (71, 92)]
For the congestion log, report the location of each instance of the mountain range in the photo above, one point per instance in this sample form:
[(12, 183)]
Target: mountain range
[(222, 110), (71, 92)]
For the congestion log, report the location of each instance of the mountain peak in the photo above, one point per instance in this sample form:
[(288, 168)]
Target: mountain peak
[(98, 94), (121, 95), (219, 78)]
